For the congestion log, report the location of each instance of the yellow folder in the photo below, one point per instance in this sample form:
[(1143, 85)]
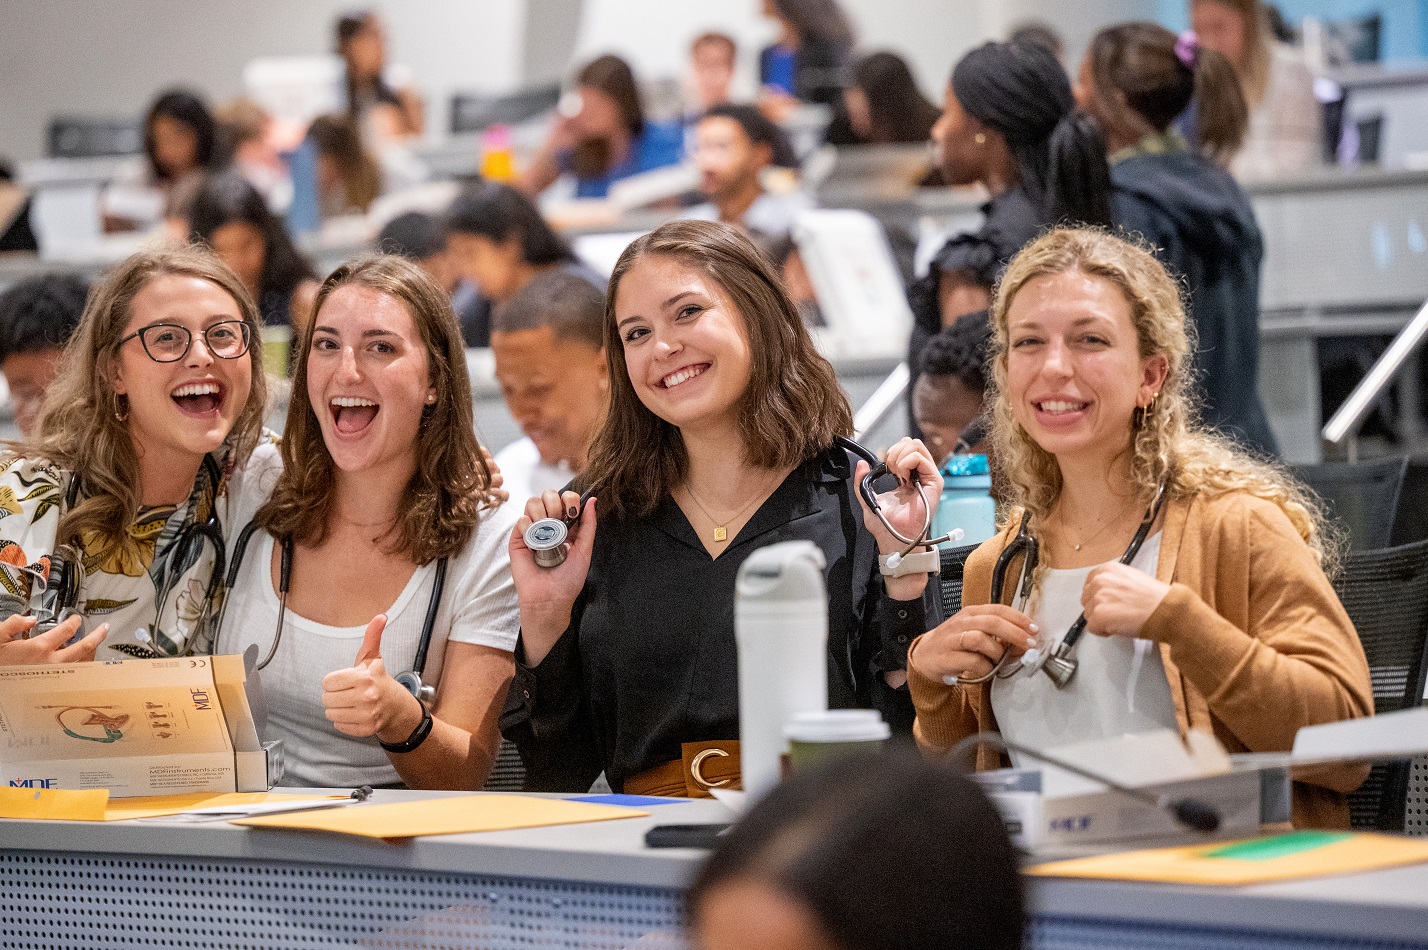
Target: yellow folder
[(62, 804), (1257, 860), (444, 816)]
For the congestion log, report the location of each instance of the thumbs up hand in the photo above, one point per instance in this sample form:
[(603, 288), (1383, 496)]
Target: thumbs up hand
[(363, 700)]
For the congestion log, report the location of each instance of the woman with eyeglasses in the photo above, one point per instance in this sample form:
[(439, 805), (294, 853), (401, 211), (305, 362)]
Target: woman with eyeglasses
[(109, 512)]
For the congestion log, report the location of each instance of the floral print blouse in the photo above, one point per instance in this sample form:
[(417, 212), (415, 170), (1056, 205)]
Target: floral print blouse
[(124, 588)]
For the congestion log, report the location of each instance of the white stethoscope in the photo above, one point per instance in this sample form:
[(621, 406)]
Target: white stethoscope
[(411, 680)]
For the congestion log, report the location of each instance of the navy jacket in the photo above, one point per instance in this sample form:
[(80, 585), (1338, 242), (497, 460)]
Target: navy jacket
[(1202, 226)]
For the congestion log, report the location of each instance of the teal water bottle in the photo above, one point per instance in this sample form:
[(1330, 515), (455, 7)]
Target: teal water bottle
[(966, 501)]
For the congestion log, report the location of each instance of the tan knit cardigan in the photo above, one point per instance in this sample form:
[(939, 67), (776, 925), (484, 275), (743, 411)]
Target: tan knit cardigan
[(1254, 640)]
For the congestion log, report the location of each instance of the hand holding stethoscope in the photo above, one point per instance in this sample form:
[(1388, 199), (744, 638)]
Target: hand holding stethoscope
[(549, 564), (364, 699), (907, 509)]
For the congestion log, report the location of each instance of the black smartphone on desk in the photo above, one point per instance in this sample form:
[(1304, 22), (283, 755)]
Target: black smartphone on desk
[(685, 836)]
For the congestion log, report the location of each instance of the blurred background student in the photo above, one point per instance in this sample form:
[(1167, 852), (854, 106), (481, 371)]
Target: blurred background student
[(1285, 132), (181, 146), (713, 57), (38, 315), (381, 100), (884, 103), (550, 364), (606, 137), (231, 217), (1137, 77), (951, 390), (421, 238), (1008, 123), (864, 853), (349, 177), (247, 132), (499, 240), (734, 145), (808, 62)]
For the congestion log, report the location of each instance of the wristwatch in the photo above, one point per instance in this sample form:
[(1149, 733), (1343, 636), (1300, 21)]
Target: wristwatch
[(418, 736)]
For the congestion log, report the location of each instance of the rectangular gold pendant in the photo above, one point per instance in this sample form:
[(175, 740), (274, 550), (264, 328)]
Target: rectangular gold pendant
[(720, 534)]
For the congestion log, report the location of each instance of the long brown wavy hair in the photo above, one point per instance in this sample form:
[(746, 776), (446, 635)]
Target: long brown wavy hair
[(80, 428), (791, 411), (1165, 443), (451, 484)]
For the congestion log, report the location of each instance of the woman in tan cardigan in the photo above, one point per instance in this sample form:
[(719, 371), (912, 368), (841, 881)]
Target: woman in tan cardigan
[(1224, 621)]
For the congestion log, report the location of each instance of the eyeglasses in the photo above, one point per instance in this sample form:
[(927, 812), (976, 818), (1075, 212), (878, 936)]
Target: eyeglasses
[(170, 342)]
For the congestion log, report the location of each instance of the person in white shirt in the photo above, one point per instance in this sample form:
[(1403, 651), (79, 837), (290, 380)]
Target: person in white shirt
[(734, 146), (1285, 134), (550, 363), (376, 533)]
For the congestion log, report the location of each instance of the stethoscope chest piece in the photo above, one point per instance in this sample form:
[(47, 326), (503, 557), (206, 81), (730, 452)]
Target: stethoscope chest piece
[(411, 682), (546, 540)]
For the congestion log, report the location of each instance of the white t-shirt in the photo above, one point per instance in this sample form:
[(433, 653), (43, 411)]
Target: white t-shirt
[(1119, 687), (770, 214), (478, 606), (526, 475)]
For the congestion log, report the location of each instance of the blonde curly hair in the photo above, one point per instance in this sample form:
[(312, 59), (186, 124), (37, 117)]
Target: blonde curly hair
[(1165, 442)]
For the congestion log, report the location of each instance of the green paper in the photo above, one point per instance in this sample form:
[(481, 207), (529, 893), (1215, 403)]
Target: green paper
[(1279, 846)]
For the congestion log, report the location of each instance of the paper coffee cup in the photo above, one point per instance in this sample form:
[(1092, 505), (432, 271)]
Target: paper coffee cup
[(816, 736)]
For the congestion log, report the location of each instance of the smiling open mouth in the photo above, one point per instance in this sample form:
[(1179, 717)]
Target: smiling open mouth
[(683, 375), (1060, 406), (352, 414), (198, 399)]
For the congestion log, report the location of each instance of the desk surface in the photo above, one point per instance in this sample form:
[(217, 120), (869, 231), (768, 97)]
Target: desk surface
[(1389, 905)]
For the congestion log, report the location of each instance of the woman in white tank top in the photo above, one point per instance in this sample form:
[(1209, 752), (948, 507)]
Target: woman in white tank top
[(377, 521)]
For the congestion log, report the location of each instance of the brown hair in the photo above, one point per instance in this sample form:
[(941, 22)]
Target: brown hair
[(451, 484), (716, 39), (1142, 86), (337, 138), (612, 75), (1259, 52), (80, 428), (1165, 443), (791, 411)]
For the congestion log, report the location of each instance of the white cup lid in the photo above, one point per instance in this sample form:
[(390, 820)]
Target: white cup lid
[(837, 725)]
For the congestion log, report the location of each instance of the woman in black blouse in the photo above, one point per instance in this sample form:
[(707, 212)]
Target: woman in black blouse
[(719, 440)]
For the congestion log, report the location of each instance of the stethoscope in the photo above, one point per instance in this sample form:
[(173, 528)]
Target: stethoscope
[(65, 571), (546, 538), (411, 680), (1059, 664)]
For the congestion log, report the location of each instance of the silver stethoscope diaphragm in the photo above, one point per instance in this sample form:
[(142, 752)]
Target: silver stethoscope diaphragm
[(546, 540)]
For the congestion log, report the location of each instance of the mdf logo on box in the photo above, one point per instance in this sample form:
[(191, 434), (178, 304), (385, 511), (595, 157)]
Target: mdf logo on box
[(34, 783), (201, 702)]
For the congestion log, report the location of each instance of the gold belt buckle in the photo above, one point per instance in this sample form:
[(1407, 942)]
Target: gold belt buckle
[(697, 774)]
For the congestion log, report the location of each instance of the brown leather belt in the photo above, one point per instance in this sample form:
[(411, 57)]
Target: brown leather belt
[(702, 766)]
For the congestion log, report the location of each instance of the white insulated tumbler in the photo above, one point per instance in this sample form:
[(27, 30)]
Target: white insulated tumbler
[(781, 626)]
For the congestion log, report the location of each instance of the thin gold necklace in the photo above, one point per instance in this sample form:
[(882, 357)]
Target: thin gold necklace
[(1061, 516), (721, 533)]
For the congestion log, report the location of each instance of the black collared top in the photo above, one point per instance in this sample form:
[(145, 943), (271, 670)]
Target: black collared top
[(649, 661)]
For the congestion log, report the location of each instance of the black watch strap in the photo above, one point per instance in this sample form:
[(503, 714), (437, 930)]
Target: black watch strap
[(418, 736)]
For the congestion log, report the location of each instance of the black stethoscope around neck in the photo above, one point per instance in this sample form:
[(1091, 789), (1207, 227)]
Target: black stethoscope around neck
[(1058, 663), (411, 680)]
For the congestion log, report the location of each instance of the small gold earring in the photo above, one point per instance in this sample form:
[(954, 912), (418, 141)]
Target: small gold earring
[(121, 410), (981, 138)]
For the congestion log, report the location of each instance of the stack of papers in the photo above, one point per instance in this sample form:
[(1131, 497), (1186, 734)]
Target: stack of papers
[(1255, 861)]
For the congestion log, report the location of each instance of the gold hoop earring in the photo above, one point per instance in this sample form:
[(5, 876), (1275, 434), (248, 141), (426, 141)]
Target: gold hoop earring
[(980, 138), (121, 411), (1143, 413)]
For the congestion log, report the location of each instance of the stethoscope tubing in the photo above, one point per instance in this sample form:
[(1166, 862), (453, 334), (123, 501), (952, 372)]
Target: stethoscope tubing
[(1009, 666)]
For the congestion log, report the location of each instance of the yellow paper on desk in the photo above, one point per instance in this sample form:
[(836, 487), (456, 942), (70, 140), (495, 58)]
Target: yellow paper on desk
[(1255, 861), (155, 806), (445, 816), (54, 804)]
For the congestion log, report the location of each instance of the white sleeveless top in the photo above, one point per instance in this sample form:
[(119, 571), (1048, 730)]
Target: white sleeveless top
[(1120, 685)]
